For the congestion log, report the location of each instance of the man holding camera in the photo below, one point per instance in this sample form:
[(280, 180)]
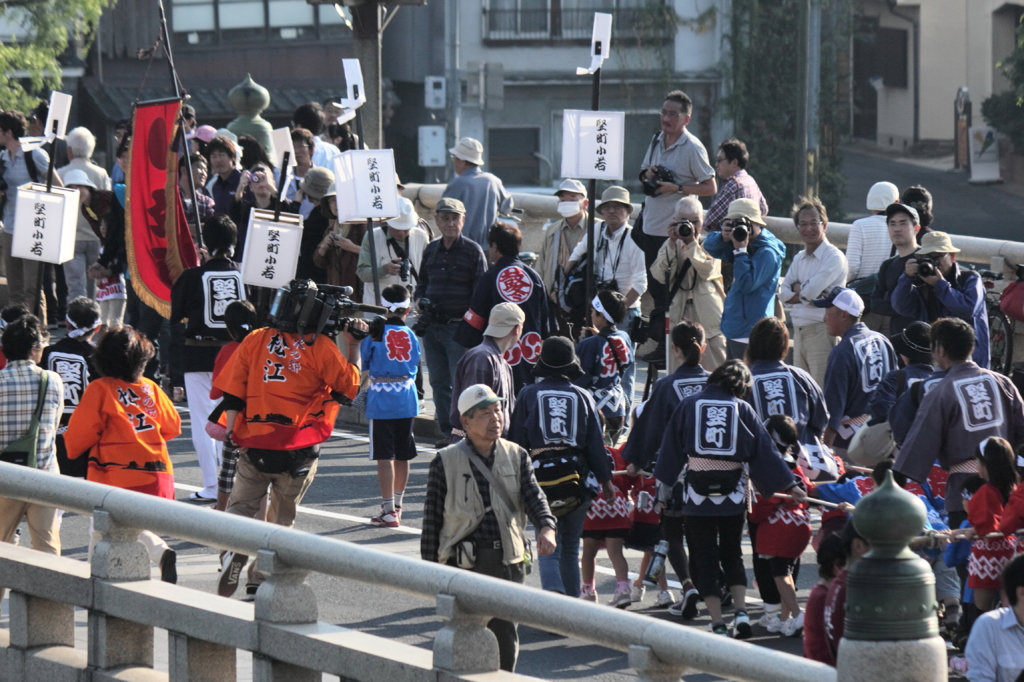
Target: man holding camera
[(620, 262), (903, 224), (819, 268), (676, 164), (756, 256), (512, 281), (694, 283), (560, 238), (932, 286), (451, 267), (731, 167), (278, 389), (399, 248)]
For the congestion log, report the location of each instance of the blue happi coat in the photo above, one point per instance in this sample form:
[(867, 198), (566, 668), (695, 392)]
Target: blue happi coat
[(610, 367), (642, 447), (395, 356)]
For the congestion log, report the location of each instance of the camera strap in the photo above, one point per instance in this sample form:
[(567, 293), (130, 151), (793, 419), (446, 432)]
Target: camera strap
[(397, 248), (606, 246), (677, 283)]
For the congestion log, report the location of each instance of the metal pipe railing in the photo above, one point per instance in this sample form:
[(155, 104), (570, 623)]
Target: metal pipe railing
[(539, 208), (673, 644)]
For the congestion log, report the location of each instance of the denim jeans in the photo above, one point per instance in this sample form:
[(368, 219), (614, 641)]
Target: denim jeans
[(443, 355), (560, 572)]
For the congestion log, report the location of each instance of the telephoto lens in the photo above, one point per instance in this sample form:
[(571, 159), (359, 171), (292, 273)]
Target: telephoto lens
[(739, 233)]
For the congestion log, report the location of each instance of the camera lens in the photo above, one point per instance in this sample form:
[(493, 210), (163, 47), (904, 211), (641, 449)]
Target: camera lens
[(685, 228), (739, 233)]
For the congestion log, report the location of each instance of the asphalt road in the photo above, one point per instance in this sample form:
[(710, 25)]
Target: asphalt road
[(339, 504), (959, 207)]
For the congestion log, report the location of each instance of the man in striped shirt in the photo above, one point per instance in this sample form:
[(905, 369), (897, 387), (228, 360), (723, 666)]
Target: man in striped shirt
[(731, 166), (23, 343)]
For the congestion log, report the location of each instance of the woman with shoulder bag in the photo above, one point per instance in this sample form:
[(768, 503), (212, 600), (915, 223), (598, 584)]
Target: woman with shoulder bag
[(715, 444), (606, 355)]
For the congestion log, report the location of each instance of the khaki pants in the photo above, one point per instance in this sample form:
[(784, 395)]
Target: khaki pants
[(43, 524), (22, 277), (714, 355), (811, 346)]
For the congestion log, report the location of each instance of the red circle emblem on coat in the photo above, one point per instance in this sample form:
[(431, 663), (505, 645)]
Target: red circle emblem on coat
[(514, 285)]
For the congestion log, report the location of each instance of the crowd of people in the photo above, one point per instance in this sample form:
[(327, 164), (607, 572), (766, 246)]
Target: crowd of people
[(783, 392)]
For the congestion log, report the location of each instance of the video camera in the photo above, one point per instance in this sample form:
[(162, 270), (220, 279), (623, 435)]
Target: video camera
[(430, 313), (303, 307)]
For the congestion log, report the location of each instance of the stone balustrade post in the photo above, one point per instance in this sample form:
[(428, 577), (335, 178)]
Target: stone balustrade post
[(650, 668), (284, 599), (195, 660), (36, 622), (464, 644), (118, 557)]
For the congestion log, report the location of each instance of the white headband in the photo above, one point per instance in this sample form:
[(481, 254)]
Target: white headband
[(76, 332), (395, 307), (600, 308)]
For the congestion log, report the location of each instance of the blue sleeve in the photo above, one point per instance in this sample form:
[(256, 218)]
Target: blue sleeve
[(817, 418), (836, 387), (963, 303), (365, 352), (884, 397), (768, 472), (838, 492), (597, 457), (753, 274), (518, 432), (717, 248), (672, 454), (587, 353), (907, 301), (881, 302)]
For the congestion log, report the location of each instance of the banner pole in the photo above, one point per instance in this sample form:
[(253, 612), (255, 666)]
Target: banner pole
[(369, 222), (280, 190), (595, 104)]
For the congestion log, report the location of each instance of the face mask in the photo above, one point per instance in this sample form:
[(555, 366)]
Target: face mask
[(568, 208)]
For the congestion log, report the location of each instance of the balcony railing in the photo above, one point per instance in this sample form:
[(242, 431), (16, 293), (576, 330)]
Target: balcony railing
[(649, 22)]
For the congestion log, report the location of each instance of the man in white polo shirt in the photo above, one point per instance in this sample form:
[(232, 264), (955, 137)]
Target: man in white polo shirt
[(819, 268)]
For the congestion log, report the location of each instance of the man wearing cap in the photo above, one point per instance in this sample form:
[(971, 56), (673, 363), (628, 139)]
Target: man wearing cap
[(399, 247), (315, 186), (450, 269), (903, 224), (620, 262), (560, 238), (856, 367), (942, 289), (468, 522), (486, 364), (557, 423), (731, 168), (481, 193), (756, 262), (819, 268), (512, 281), (967, 406)]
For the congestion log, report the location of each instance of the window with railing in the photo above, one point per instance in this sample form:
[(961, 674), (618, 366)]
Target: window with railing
[(208, 22), (573, 20)]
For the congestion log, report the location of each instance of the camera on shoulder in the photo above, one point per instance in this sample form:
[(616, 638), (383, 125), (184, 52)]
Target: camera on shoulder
[(304, 307)]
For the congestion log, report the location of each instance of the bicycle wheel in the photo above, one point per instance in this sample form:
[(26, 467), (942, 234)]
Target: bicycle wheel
[(1000, 331)]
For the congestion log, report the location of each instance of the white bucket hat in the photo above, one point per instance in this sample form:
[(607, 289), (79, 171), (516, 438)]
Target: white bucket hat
[(407, 218), (469, 150)]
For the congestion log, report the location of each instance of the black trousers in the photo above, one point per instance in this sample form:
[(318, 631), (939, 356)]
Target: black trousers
[(489, 562), (716, 552), (656, 289)]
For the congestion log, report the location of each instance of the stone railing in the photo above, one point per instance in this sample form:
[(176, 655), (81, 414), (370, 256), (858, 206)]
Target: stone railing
[(281, 629), (537, 209)]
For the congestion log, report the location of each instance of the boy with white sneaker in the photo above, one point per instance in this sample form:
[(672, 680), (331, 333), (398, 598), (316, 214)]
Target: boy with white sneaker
[(391, 354)]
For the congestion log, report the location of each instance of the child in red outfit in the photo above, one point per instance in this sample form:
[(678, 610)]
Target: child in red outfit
[(609, 523), (996, 464), (831, 557), (783, 527)]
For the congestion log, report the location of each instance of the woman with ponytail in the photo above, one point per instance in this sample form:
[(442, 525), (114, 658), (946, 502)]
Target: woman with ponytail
[(688, 346), (716, 445)]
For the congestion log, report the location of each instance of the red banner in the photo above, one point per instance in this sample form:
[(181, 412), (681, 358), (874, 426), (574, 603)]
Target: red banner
[(157, 237)]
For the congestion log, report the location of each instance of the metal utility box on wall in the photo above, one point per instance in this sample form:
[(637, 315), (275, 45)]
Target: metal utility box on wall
[(435, 92), (432, 147)]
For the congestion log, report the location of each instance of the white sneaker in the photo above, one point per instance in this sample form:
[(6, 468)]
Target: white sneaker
[(620, 600), (636, 593), (665, 599), (588, 594), (794, 626), (771, 622)]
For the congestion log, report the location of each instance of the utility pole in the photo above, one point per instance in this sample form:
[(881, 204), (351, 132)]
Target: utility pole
[(802, 119), (808, 96)]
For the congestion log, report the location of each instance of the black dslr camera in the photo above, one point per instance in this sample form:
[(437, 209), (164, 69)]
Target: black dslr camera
[(684, 228), (661, 174), (430, 313), (303, 307), (740, 229), (926, 266)]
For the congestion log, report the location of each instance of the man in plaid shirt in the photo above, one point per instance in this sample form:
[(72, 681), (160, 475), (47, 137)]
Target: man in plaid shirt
[(23, 344), (731, 165), (465, 525)]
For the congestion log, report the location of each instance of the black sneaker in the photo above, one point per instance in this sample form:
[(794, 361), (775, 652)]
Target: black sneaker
[(169, 567), (726, 597), (656, 355), (250, 592), (230, 572), (741, 626)]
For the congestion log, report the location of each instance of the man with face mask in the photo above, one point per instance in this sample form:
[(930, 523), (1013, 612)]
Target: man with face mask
[(560, 238)]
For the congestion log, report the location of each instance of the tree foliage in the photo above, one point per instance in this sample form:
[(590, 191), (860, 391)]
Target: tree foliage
[(31, 63), (1004, 111), (764, 95)]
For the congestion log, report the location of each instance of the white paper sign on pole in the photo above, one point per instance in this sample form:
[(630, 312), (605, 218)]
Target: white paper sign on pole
[(282, 141), (60, 110), (600, 43), (366, 185), (45, 223), (592, 144), (984, 147), (271, 249), (353, 84)]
